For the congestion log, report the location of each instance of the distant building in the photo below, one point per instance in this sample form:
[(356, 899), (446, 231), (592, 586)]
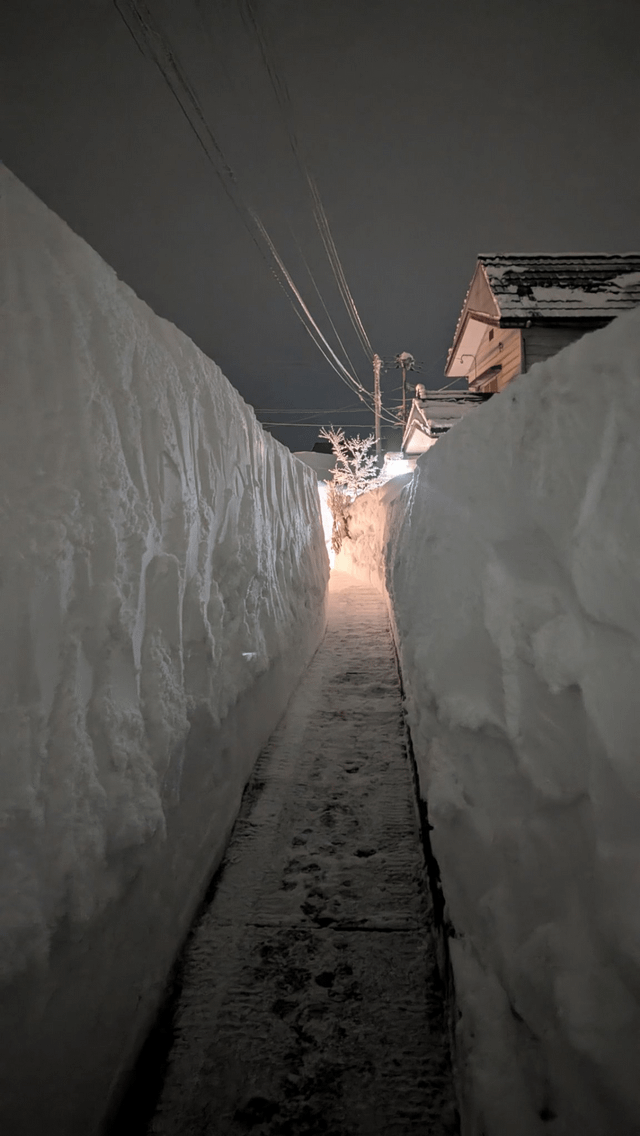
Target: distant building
[(521, 309), (432, 413), (391, 437), (320, 460)]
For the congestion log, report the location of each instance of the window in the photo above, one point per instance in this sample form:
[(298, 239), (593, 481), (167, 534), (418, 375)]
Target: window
[(484, 382)]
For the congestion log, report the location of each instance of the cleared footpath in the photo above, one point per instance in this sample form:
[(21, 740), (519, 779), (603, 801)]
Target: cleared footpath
[(310, 1000)]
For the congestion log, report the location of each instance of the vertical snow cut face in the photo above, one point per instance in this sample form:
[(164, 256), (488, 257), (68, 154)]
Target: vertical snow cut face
[(160, 553), (512, 565)]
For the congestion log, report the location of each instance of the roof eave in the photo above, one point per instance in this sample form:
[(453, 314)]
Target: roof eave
[(533, 319), (465, 315)]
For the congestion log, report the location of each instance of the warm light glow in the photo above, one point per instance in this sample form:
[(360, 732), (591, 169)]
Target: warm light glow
[(327, 519), (394, 467)]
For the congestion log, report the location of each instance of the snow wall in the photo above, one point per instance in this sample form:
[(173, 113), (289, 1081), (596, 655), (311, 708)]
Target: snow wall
[(512, 563), (162, 588)]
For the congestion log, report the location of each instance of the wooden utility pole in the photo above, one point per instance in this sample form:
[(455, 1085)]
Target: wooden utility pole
[(404, 394), (377, 404), (407, 362)]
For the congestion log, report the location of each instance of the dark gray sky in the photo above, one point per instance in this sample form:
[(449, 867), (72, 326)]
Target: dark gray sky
[(435, 131)]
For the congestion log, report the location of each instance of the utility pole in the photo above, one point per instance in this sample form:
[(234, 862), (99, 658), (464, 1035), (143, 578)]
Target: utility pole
[(407, 362), (377, 404)]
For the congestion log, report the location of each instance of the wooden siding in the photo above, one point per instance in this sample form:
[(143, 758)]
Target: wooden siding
[(504, 350), (541, 342)]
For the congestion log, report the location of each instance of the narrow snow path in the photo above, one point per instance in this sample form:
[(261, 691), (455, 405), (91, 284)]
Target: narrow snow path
[(311, 1001)]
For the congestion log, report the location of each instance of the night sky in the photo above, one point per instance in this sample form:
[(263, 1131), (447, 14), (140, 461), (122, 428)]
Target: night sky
[(435, 131)]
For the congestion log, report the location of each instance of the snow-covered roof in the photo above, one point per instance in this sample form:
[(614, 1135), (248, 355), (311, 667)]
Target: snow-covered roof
[(518, 289), (434, 415), (556, 286)]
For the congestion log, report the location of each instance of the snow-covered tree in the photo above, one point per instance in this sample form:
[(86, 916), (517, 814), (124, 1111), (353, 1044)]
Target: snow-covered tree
[(356, 466), (354, 470)]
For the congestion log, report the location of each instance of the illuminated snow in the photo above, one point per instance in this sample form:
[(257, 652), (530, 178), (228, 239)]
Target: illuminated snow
[(513, 564)]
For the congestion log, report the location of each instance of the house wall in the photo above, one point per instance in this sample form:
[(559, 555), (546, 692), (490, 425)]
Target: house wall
[(499, 347), (541, 342)]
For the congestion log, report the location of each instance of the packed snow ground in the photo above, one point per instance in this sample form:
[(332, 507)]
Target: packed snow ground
[(512, 562), (163, 582), (310, 999)]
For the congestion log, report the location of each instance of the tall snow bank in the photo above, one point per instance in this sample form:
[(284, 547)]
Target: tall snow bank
[(365, 553), (162, 587), (513, 570)]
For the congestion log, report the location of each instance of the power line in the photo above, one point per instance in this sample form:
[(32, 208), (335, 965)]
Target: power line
[(313, 281), (336, 264), (283, 99), (360, 390), (146, 35), (456, 380), (305, 410)]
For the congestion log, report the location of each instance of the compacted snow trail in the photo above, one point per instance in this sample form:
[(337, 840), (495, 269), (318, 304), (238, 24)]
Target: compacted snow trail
[(311, 1001)]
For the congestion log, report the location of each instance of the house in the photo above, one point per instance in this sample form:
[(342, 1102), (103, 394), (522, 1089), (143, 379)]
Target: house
[(432, 413), (521, 309)]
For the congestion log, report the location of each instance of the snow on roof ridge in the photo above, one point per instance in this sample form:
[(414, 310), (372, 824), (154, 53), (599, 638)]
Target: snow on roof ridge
[(552, 286), (555, 255)]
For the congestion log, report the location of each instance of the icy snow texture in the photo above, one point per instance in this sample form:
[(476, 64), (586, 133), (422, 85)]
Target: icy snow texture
[(323, 465), (163, 579), (513, 567), (365, 554)]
